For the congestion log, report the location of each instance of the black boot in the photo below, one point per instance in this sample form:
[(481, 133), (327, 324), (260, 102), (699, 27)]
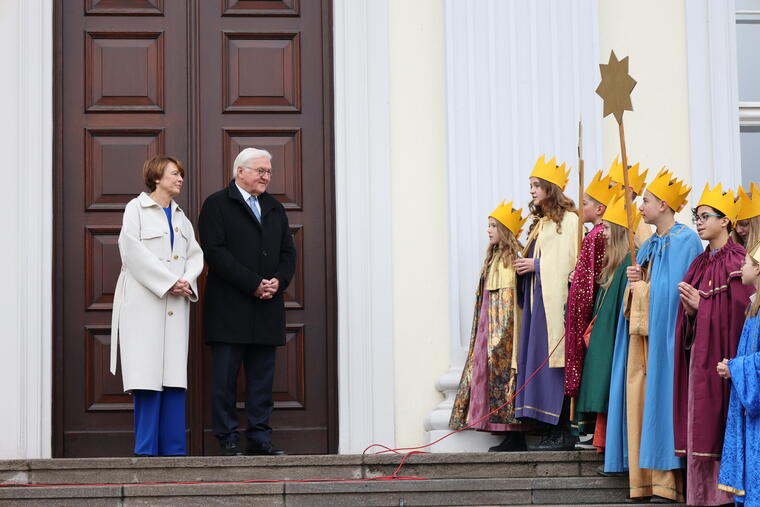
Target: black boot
[(559, 438), (514, 441)]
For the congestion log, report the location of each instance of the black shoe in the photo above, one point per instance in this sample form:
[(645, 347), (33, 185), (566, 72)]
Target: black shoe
[(262, 449), (230, 447), (144, 455), (513, 442), (600, 471), (556, 440)]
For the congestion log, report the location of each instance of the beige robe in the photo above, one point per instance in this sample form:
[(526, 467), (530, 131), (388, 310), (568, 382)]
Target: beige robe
[(558, 253)]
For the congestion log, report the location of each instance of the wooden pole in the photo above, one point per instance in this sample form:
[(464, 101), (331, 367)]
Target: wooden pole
[(581, 191), (581, 186), (628, 196)]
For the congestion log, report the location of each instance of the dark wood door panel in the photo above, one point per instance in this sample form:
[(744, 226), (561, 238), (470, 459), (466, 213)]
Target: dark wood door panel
[(114, 112), (199, 80)]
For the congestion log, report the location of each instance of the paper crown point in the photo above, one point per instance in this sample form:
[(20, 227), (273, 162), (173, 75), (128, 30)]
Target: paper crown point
[(636, 179), (551, 172), (749, 204), (754, 251), (665, 186), (602, 189), (616, 212), (719, 200), (506, 215)]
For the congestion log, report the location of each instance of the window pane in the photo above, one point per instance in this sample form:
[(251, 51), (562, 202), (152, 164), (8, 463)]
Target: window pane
[(750, 147), (748, 5), (748, 61)]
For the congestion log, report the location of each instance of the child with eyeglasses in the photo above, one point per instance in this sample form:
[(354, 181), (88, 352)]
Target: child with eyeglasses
[(710, 318)]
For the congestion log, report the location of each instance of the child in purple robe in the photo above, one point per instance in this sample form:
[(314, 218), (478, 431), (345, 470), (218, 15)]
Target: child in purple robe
[(550, 257), (711, 314)]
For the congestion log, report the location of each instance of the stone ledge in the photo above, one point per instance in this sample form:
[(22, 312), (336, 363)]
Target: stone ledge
[(60, 492)]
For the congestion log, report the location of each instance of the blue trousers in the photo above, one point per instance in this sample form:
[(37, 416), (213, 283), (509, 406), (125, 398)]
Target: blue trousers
[(160, 422)]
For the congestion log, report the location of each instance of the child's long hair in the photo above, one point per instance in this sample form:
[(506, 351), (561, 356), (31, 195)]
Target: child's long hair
[(506, 248), (753, 235), (615, 250), (755, 305), (554, 206)]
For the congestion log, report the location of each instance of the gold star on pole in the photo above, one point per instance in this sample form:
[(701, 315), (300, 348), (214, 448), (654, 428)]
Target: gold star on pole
[(616, 87)]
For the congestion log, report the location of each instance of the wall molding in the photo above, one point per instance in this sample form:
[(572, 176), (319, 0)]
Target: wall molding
[(363, 224), (713, 93), (26, 141)]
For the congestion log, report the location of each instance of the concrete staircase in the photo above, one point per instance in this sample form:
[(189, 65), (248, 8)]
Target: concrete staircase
[(528, 478)]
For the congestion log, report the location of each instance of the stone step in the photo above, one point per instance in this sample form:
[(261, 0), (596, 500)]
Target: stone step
[(246, 468), (439, 492)]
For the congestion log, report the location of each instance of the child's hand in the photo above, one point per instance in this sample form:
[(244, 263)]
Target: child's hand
[(723, 370), (634, 273), (523, 266), (689, 297), (572, 275)]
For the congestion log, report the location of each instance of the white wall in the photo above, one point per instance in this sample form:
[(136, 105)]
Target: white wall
[(652, 33), (26, 141)]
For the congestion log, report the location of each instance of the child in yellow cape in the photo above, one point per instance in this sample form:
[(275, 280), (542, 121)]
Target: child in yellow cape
[(488, 378)]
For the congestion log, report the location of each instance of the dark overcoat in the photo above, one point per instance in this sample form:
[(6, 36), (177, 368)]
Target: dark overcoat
[(240, 252)]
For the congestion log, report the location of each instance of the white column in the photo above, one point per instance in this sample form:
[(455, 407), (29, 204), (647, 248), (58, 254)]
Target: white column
[(713, 93), (363, 224), (519, 77), (26, 141)]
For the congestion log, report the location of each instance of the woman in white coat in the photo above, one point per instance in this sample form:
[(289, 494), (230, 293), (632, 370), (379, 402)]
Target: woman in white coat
[(161, 262)]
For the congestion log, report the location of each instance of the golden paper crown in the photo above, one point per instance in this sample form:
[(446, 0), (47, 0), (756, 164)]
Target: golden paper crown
[(506, 215), (599, 189), (665, 186), (616, 212), (749, 205), (551, 172), (754, 252), (719, 200), (637, 181)]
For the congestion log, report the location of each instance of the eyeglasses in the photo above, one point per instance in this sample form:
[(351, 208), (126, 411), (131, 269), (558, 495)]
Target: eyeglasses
[(260, 171), (700, 219)]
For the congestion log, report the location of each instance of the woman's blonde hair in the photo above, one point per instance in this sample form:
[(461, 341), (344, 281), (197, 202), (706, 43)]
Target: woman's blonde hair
[(553, 206), (615, 250), (505, 249)]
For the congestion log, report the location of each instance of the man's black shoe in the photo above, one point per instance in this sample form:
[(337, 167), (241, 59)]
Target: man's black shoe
[(513, 442), (230, 448), (265, 449)]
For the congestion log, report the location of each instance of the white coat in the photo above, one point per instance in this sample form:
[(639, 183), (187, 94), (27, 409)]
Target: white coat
[(149, 326)]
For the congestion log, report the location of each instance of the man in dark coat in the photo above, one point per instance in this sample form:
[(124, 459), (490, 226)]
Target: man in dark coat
[(251, 258)]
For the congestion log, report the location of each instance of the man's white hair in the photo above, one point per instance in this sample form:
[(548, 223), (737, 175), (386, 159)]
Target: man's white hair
[(246, 155)]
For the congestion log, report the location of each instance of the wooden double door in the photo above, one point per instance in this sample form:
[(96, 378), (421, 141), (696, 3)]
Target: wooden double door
[(199, 80)]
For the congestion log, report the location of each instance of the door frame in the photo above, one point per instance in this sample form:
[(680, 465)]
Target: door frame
[(331, 317)]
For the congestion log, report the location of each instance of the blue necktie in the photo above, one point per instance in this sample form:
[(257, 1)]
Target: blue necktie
[(252, 201)]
